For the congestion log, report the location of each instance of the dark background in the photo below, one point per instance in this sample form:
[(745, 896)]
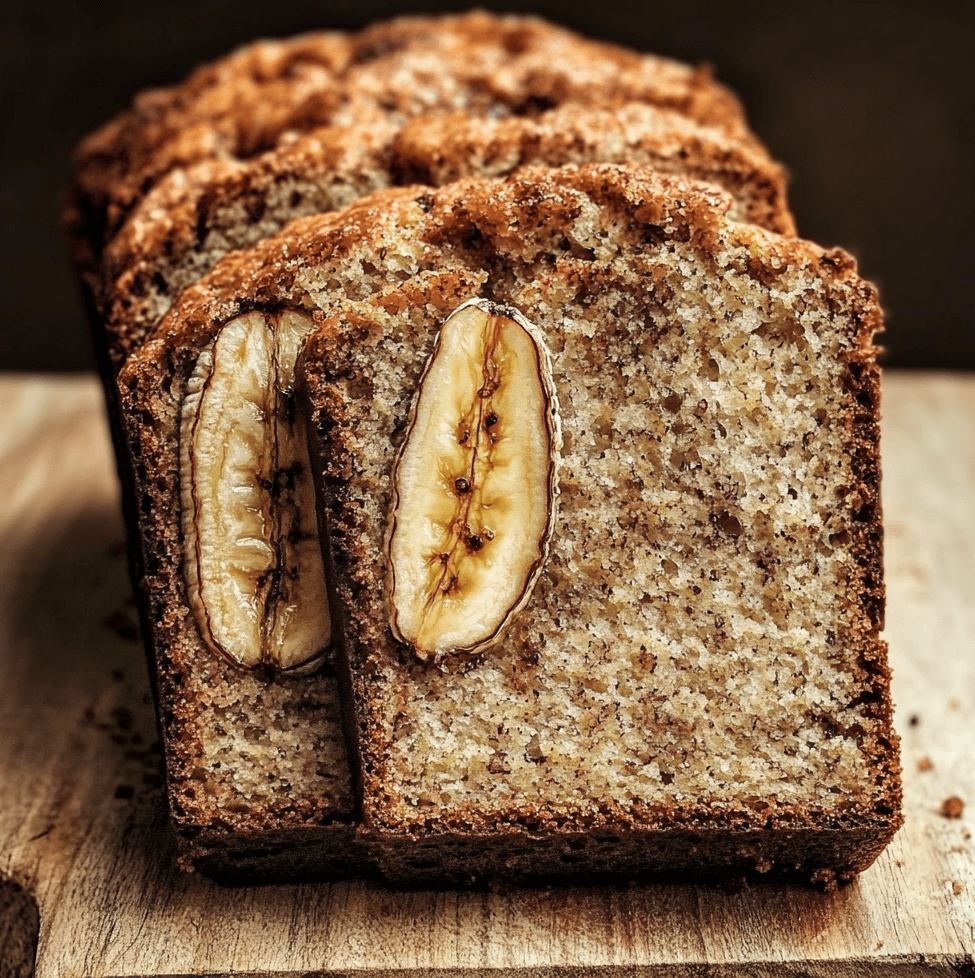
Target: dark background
[(870, 105)]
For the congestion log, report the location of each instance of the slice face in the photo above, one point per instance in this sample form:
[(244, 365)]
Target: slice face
[(475, 485), (700, 648), (254, 571)]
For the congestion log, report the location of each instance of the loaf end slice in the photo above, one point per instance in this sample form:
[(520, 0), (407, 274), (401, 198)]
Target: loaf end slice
[(257, 773)]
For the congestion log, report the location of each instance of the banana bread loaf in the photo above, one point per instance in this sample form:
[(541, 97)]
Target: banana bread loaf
[(220, 162), (633, 624), (180, 177)]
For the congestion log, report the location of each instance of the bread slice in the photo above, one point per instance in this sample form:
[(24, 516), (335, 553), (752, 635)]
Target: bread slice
[(690, 680), (194, 216), (257, 770), (261, 95)]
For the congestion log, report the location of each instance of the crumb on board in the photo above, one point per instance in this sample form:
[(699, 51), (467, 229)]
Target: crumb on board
[(957, 888), (914, 720), (952, 807), (924, 764)]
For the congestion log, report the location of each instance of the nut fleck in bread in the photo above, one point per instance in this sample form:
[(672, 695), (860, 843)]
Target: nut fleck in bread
[(690, 680)]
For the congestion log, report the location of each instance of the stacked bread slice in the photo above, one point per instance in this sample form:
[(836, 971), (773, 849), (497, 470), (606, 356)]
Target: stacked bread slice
[(519, 522)]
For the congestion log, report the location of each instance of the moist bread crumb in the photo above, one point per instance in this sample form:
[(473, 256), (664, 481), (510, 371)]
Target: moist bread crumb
[(697, 686)]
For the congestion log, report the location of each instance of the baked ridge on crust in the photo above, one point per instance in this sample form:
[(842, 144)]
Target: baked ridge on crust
[(260, 95), (724, 348), (194, 216)]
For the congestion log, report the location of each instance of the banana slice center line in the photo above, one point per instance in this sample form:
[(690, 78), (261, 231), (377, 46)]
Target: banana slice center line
[(478, 430), (280, 485)]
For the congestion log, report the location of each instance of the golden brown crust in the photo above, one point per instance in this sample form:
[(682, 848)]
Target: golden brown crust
[(436, 151), (193, 217), (267, 273), (386, 272), (246, 103), (534, 853)]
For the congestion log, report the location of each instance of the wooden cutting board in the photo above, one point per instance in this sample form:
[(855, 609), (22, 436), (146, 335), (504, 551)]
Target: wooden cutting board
[(83, 838)]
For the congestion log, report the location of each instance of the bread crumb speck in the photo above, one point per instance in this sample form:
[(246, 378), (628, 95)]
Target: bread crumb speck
[(952, 807)]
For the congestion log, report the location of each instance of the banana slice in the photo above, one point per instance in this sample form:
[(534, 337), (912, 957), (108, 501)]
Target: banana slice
[(253, 566), (475, 484)]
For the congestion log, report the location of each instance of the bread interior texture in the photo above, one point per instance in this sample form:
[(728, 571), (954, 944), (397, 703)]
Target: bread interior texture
[(701, 647), (704, 630)]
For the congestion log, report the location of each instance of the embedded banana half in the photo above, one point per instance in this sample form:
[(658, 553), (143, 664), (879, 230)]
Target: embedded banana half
[(475, 484), (253, 560)]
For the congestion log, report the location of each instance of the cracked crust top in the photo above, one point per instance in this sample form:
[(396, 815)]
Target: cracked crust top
[(194, 216), (248, 102)]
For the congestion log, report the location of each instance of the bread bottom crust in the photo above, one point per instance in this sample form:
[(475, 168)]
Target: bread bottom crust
[(825, 857)]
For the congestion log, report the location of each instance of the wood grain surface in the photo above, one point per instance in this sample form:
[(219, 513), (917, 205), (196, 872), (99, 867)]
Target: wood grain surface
[(82, 829)]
